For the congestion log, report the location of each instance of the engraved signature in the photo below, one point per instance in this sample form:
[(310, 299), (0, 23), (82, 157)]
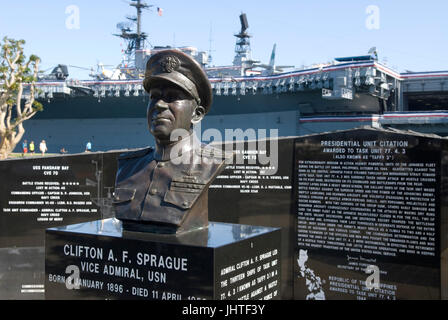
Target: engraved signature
[(360, 258)]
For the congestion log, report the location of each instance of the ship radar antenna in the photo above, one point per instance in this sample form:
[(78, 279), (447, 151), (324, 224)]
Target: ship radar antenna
[(242, 47)]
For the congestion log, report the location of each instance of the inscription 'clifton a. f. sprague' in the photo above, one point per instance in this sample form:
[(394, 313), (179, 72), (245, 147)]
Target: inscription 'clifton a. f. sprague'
[(224, 261)]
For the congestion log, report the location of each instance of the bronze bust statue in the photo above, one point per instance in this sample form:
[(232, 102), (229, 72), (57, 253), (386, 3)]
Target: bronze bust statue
[(165, 190)]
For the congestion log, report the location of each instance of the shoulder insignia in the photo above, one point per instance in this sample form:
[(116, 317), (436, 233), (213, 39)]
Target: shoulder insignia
[(136, 154)]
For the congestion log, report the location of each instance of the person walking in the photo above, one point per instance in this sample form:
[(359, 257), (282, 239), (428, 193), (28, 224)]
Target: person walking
[(24, 147), (32, 147), (43, 147), (88, 146)]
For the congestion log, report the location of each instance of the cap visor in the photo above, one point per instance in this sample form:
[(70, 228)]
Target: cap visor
[(164, 78)]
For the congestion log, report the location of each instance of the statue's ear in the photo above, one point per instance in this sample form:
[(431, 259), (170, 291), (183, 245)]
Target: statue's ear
[(198, 114)]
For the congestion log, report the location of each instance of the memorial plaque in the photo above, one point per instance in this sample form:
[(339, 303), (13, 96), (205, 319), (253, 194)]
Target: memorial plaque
[(245, 194), (98, 260), (38, 193), (371, 215)]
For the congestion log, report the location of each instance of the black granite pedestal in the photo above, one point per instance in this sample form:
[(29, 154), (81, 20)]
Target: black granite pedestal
[(99, 260)]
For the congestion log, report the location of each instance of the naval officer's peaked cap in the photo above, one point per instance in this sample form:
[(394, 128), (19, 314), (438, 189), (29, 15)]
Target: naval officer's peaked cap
[(181, 69)]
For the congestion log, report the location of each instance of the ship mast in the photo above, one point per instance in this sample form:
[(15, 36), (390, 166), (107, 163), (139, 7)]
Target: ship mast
[(135, 40), (139, 5)]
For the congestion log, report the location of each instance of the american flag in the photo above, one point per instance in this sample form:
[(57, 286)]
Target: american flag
[(159, 11)]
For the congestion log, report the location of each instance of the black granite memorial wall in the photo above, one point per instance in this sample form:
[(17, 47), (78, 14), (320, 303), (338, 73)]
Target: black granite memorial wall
[(326, 247), (371, 216), (41, 192), (255, 193)]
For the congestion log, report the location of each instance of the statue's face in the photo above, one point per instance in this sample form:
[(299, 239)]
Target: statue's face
[(170, 108)]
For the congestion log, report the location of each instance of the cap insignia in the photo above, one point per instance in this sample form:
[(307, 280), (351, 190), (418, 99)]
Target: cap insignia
[(170, 63)]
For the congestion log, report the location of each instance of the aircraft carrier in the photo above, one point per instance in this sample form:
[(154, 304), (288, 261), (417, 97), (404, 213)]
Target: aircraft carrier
[(345, 93)]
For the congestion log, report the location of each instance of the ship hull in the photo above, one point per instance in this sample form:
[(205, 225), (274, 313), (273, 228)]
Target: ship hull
[(112, 114), (307, 103), (120, 122)]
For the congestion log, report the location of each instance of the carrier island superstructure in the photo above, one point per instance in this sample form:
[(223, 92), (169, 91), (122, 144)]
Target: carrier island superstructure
[(345, 93)]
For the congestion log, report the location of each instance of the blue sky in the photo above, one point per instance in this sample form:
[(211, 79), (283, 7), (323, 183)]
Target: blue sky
[(410, 34)]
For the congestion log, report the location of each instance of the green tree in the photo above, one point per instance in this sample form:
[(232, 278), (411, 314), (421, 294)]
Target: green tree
[(18, 76)]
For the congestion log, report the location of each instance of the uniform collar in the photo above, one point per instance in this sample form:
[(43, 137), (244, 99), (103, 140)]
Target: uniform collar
[(177, 149)]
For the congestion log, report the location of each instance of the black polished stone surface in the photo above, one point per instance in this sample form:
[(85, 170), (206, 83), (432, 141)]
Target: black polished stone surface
[(237, 197), (22, 273), (371, 197), (223, 261), (41, 192)]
